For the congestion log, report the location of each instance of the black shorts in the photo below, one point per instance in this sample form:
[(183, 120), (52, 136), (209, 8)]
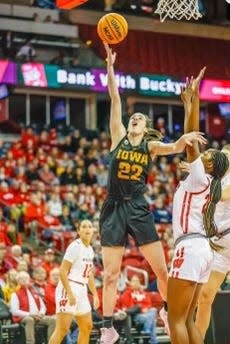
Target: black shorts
[(123, 217)]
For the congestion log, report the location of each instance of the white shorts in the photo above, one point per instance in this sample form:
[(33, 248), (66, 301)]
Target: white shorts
[(192, 260), (80, 291), (221, 262)]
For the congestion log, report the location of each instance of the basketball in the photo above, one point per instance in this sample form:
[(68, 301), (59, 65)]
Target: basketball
[(112, 28)]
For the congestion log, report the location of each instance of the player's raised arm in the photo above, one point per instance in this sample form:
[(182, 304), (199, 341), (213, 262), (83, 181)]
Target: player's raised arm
[(191, 101), (117, 129)]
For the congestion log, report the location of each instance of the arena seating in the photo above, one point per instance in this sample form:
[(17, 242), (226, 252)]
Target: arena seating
[(162, 53)]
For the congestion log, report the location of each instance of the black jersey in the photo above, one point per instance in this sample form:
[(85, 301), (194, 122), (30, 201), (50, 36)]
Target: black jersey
[(129, 167)]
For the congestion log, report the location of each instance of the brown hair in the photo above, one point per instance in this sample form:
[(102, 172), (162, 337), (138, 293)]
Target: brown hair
[(152, 134)]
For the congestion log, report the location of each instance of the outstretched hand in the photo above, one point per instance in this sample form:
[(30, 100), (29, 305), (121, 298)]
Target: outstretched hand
[(187, 92), (197, 80), (191, 87), (111, 56), (194, 136)]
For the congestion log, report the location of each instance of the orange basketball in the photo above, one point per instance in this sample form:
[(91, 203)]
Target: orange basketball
[(112, 28)]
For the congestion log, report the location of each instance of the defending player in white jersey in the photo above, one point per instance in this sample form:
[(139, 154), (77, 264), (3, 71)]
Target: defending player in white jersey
[(221, 263), (193, 225), (76, 272)]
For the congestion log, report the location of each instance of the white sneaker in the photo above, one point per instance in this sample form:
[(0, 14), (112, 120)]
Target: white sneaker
[(164, 317), (109, 335)]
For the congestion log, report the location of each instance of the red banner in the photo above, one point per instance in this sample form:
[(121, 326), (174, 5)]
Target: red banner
[(215, 90), (69, 4)]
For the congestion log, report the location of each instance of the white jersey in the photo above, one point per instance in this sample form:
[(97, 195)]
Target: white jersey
[(189, 200), (222, 212), (222, 220), (81, 257)]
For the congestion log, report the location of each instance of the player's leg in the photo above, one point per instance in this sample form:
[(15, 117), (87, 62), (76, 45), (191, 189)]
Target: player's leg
[(112, 257), (194, 334), (63, 322), (143, 229), (206, 298), (85, 325), (154, 254), (113, 237), (179, 297)]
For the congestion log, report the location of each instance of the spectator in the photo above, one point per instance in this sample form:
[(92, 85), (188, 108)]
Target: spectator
[(39, 281), (11, 285), (28, 308), (3, 228), (8, 47), (26, 52), (48, 19), (68, 176), (102, 175), (91, 175), (36, 18), (54, 205), (58, 59), (22, 266), (8, 196), (32, 171), (80, 176), (49, 261), (49, 291), (5, 264), (15, 256), (75, 62), (160, 213), (3, 176), (47, 176), (66, 220), (70, 201), (48, 225), (28, 137), (137, 302)]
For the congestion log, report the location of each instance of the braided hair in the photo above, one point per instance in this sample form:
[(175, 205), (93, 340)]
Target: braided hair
[(220, 167)]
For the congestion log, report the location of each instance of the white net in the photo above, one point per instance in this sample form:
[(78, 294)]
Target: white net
[(178, 9)]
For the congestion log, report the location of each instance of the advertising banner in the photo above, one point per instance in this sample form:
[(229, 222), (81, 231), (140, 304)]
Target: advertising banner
[(215, 90), (95, 79), (34, 74), (8, 72), (159, 85)]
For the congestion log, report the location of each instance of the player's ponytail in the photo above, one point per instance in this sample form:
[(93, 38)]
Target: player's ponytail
[(220, 167), (152, 134)]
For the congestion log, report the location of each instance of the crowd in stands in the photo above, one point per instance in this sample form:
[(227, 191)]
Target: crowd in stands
[(48, 183)]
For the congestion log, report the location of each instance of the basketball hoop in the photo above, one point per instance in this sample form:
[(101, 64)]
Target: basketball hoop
[(178, 9)]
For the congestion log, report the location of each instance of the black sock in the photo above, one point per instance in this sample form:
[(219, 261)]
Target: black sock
[(165, 306), (107, 322)]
